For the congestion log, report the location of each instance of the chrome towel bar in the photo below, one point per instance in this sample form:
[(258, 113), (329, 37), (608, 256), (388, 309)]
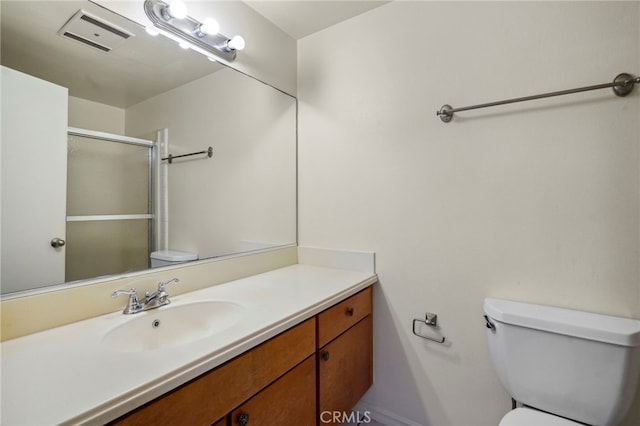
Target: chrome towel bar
[(209, 153), (622, 85)]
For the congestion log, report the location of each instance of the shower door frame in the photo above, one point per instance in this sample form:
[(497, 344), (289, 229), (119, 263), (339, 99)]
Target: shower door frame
[(151, 145)]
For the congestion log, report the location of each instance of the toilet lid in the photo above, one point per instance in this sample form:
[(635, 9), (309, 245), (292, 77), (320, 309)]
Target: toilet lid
[(530, 417), (173, 255)]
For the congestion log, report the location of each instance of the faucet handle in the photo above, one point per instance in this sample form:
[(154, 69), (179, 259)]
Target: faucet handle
[(162, 285), (134, 304), (131, 293)]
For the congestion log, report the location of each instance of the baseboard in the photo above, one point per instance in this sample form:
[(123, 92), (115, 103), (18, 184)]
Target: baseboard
[(383, 416)]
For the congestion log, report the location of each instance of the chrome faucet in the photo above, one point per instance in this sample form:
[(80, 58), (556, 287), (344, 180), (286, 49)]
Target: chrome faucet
[(150, 301)]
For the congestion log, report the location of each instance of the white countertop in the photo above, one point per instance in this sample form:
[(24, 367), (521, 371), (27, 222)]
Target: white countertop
[(66, 375)]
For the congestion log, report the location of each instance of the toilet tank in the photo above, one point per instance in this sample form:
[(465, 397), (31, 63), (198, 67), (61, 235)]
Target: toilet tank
[(574, 364)]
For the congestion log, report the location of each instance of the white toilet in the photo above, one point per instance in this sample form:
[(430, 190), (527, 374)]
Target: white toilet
[(171, 257), (566, 367)]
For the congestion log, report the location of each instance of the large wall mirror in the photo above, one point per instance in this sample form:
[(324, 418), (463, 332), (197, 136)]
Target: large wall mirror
[(87, 190)]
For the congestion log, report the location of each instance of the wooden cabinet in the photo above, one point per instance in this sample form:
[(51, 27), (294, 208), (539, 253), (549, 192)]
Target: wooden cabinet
[(322, 364), (337, 319), (345, 369), (213, 395), (345, 356), (290, 401)]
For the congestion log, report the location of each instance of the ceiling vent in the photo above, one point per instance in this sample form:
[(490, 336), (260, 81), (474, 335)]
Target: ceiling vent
[(94, 32)]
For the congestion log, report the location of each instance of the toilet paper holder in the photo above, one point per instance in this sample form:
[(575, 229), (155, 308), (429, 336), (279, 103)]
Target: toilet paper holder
[(432, 321)]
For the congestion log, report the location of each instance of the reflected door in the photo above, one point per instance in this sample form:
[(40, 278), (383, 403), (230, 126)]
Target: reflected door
[(34, 174)]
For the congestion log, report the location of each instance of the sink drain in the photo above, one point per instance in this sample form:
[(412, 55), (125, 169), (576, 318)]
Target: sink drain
[(155, 323)]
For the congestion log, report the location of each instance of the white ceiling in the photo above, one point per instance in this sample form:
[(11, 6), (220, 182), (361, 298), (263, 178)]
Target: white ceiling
[(299, 18)]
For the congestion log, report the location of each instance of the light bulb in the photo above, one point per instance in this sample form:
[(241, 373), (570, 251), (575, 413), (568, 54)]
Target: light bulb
[(209, 26), (183, 44), (151, 31), (236, 43), (178, 9)]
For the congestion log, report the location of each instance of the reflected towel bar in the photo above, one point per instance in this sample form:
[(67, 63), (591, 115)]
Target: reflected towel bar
[(622, 85), (209, 153)]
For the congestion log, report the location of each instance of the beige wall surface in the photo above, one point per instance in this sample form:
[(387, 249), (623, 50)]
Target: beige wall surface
[(245, 196), (535, 202), (95, 116)]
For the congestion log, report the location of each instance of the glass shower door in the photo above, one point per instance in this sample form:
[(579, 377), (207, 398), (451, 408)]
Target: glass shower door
[(109, 207)]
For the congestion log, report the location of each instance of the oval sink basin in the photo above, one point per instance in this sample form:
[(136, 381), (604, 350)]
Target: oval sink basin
[(173, 325)]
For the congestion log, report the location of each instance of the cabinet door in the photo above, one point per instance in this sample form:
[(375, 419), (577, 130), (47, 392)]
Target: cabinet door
[(345, 369), (290, 401)]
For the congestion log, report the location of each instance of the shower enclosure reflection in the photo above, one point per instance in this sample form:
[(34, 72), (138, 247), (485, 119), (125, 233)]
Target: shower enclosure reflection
[(109, 207)]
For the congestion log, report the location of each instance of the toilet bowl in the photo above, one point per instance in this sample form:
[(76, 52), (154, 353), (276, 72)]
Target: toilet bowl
[(566, 367), (530, 417)]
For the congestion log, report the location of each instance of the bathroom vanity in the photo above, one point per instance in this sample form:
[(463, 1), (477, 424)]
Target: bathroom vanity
[(276, 383), (299, 344)]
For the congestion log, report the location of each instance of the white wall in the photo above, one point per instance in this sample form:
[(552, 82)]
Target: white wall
[(535, 202), (95, 116), (244, 197)]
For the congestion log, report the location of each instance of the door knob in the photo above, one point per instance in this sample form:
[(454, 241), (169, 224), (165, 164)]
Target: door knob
[(57, 242)]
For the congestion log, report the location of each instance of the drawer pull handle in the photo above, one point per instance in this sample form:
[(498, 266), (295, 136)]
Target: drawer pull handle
[(243, 419), (325, 355), (350, 312)]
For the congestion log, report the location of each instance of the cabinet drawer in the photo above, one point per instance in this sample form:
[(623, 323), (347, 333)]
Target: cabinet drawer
[(340, 317), (290, 401), (345, 370), (211, 396)]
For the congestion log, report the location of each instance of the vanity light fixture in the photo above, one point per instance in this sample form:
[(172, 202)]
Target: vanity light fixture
[(176, 9), (236, 43), (173, 18), (208, 27)]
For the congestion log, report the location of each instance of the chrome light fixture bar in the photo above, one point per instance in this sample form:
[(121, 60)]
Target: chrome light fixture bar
[(192, 30)]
